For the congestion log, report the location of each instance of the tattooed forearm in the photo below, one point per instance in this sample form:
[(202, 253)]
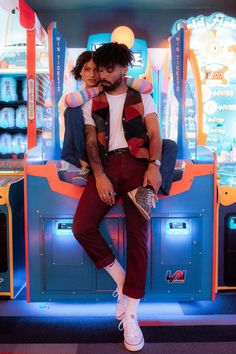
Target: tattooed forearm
[(93, 150)]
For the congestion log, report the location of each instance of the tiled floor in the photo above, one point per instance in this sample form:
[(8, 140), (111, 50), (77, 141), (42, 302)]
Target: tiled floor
[(149, 348)]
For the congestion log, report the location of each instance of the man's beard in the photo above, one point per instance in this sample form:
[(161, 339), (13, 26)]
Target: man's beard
[(110, 86)]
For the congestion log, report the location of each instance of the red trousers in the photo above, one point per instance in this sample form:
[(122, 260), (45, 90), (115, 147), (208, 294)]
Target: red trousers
[(125, 173)]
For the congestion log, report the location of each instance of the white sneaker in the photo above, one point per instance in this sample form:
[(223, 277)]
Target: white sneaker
[(121, 306), (82, 178), (133, 336)]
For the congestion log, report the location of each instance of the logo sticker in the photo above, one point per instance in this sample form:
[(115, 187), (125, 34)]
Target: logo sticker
[(178, 276)]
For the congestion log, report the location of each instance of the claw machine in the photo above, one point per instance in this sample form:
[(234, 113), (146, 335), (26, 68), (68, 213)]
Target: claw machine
[(21, 118)]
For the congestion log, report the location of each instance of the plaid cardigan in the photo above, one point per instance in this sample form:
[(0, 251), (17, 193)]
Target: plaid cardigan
[(133, 123)]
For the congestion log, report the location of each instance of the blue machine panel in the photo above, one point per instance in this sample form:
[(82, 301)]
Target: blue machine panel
[(177, 266), (227, 245), (177, 236), (65, 264)]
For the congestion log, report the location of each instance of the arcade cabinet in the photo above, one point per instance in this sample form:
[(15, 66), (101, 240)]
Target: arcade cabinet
[(213, 40), (17, 115), (181, 243)]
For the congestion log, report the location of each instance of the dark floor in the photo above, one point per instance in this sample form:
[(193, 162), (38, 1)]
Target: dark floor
[(200, 327)]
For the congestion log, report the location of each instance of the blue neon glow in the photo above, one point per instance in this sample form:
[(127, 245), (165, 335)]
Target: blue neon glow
[(232, 222), (177, 227)]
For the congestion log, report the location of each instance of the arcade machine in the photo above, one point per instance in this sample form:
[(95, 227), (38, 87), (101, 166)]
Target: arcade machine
[(181, 234), (17, 48), (213, 40)]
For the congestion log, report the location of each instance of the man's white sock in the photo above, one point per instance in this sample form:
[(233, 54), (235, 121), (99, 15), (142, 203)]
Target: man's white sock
[(132, 307), (117, 273)]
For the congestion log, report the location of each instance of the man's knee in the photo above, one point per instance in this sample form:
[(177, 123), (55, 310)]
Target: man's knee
[(169, 147)]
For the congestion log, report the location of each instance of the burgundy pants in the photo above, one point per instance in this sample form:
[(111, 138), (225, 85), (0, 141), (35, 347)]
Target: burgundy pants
[(125, 173)]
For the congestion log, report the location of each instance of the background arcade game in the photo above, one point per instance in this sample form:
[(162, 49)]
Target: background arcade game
[(213, 40), (22, 58)]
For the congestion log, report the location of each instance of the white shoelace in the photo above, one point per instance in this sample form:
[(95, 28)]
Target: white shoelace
[(152, 198), (121, 298), (130, 325)]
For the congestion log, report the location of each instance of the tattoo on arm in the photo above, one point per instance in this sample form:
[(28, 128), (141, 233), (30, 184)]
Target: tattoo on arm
[(93, 150)]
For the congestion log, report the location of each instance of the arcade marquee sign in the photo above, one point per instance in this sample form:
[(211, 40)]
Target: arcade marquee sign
[(214, 21)]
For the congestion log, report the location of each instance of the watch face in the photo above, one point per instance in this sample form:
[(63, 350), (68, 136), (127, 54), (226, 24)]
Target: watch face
[(157, 162)]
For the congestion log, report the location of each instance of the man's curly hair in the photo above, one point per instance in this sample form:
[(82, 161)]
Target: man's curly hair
[(111, 54)]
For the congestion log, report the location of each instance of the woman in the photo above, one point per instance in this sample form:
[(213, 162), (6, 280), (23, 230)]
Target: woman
[(73, 150)]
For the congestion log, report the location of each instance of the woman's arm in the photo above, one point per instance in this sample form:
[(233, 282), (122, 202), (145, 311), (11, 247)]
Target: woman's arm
[(77, 98)]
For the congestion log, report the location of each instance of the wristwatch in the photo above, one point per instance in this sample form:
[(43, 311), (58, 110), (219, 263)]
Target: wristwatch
[(156, 162)]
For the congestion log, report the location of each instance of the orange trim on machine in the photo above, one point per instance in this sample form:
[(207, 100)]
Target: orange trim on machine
[(191, 170), (215, 235), (26, 233), (50, 50), (31, 86), (50, 172), (227, 195)]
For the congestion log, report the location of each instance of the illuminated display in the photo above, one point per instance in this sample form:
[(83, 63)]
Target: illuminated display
[(214, 74), (138, 60), (139, 49), (95, 46), (177, 227), (64, 228), (213, 41), (232, 222), (216, 20)]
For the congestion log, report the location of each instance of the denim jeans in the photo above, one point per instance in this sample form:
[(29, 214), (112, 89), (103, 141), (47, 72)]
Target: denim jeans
[(73, 149)]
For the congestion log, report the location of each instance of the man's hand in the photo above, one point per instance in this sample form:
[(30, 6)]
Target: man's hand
[(153, 177), (105, 189)]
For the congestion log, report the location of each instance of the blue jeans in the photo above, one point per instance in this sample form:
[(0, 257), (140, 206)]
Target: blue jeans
[(73, 149)]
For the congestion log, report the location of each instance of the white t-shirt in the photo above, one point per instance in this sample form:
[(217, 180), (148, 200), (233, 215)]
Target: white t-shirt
[(116, 105)]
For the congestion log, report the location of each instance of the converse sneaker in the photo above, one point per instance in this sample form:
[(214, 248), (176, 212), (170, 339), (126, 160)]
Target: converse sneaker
[(82, 177), (144, 199), (133, 336), (121, 306)]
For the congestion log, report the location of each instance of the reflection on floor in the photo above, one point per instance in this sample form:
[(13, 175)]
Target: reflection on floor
[(221, 311)]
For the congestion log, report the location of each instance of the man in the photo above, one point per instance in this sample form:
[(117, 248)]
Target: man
[(124, 149)]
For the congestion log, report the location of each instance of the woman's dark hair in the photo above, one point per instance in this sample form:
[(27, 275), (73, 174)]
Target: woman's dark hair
[(111, 54), (82, 59)]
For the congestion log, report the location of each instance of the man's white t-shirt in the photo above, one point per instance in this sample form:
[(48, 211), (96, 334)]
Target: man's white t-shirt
[(116, 105)]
